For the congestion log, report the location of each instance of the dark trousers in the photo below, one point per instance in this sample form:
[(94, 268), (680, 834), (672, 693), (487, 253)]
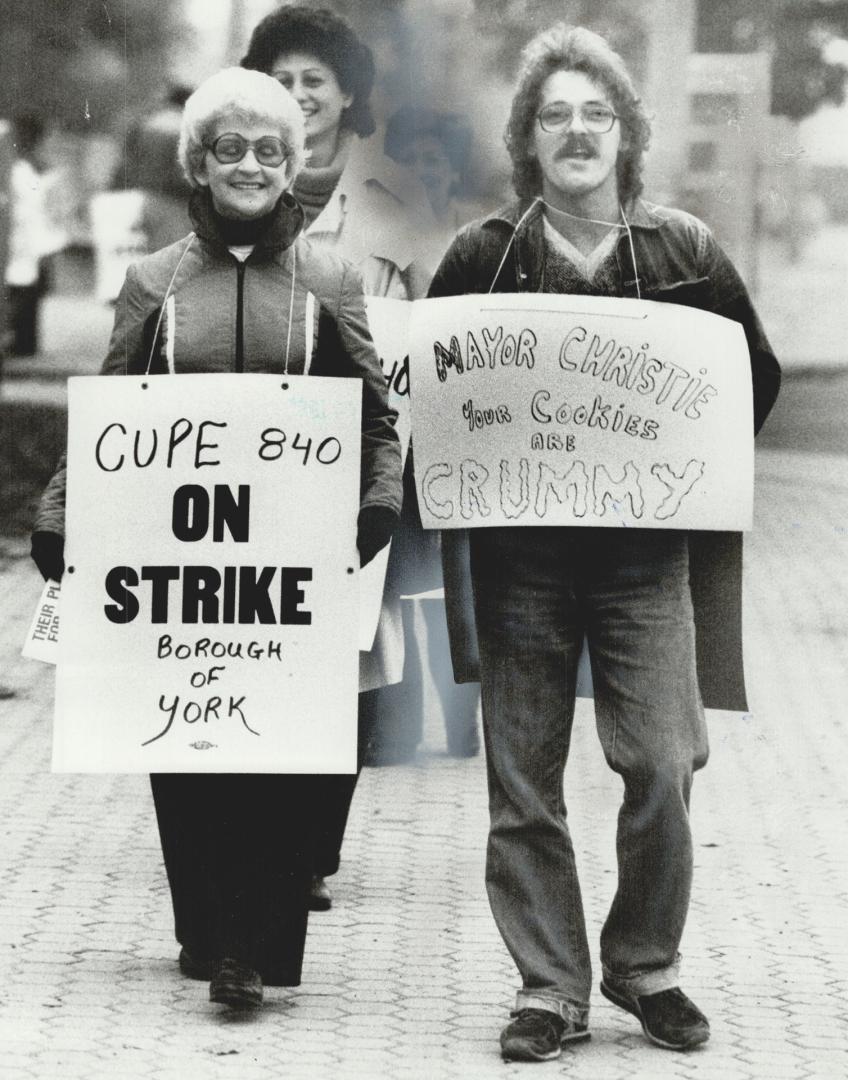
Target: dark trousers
[(238, 852), (23, 319), (537, 592)]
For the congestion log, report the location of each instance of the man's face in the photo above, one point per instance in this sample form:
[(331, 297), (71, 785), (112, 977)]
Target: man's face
[(575, 162)]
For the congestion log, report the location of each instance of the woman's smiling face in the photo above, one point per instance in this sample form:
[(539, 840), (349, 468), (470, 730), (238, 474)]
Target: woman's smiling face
[(246, 189), (315, 87)]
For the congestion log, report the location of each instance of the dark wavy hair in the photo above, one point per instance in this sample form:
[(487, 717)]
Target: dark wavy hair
[(323, 33), (573, 48)]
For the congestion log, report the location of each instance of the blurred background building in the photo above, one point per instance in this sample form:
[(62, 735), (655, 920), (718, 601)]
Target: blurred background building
[(750, 130)]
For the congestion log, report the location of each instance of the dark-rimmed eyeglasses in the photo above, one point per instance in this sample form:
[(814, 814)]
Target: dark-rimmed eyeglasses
[(559, 116), (231, 147)]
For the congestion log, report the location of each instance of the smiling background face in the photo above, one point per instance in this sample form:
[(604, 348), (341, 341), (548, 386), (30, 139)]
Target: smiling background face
[(578, 167), (243, 190), (315, 87)]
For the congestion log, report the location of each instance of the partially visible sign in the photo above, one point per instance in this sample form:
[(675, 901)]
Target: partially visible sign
[(389, 323), (42, 641), (573, 410), (210, 601)]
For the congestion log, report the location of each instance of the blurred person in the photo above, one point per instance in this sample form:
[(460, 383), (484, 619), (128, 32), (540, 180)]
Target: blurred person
[(363, 206), (145, 208), (576, 134), (436, 147), (33, 235), (150, 166), (232, 297)]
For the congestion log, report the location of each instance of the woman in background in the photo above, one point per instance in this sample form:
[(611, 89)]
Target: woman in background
[(33, 235), (367, 208)]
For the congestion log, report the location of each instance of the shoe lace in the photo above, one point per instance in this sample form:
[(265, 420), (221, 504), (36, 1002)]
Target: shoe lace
[(529, 1021)]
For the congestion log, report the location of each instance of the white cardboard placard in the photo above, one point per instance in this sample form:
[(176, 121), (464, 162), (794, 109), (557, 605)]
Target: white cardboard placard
[(389, 323), (210, 602), (573, 410), (42, 640)]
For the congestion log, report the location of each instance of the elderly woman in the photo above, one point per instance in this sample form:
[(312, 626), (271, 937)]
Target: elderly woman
[(372, 211), (232, 296)]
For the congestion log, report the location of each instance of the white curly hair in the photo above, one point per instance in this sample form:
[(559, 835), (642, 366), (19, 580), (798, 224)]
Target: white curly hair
[(247, 96)]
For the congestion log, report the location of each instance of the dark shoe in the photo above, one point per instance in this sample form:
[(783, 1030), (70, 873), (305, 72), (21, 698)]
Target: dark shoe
[(320, 897), (669, 1019), (236, 985), (195, 967), (538, 1035)]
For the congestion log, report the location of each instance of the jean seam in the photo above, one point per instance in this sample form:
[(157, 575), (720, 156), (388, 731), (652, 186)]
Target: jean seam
[(566, 1007)]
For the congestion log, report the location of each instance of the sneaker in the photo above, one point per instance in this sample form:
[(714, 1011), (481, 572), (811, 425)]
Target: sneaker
[(669, 1019), (538, 1035), (195, 967), (235, 984), (320, 897)]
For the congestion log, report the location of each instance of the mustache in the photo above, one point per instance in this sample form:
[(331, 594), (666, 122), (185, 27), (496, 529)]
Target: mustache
[(573, 143)]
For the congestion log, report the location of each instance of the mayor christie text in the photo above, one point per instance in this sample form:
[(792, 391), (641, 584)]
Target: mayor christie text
[(604, 358)]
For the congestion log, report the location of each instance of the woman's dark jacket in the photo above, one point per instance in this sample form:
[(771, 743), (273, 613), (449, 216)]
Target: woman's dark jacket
[(193, 307)]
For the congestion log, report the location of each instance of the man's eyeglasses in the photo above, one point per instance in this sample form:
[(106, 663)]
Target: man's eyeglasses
[(231, 147), (558, 116)]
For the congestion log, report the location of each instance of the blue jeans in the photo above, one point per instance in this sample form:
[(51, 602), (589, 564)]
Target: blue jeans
[(537, 591)]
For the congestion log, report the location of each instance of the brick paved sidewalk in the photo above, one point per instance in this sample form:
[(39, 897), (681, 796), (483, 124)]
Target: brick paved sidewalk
[(407, 977)]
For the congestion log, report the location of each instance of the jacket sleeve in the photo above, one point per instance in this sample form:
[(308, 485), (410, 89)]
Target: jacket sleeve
[(50, 512), (130, 342), (381, 459), (733, 302), (451, 277)]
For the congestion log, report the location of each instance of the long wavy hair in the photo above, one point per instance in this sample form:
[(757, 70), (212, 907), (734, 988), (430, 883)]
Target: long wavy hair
[(573, 48)]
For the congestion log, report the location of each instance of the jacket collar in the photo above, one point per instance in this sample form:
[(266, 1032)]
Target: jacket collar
[(286, 223), (387, 206), (524, 221), (640, 214)]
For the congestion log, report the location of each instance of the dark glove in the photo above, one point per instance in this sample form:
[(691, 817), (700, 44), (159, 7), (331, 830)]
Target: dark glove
[(48, 554), (374, 530)]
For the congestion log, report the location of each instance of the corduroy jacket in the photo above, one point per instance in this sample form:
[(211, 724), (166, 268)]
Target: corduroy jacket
[(676, 259)]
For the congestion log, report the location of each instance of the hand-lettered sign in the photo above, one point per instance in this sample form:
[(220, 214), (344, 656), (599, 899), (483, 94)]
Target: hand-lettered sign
[(389, 323), (210, 601), (42, 641), (572, 410)]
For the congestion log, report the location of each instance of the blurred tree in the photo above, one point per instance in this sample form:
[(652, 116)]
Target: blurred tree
[(513, 22), (802, 76), (85, 64), (797, 33)]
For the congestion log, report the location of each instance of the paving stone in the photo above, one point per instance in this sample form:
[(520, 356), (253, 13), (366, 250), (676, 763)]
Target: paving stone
[(407, 977)]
